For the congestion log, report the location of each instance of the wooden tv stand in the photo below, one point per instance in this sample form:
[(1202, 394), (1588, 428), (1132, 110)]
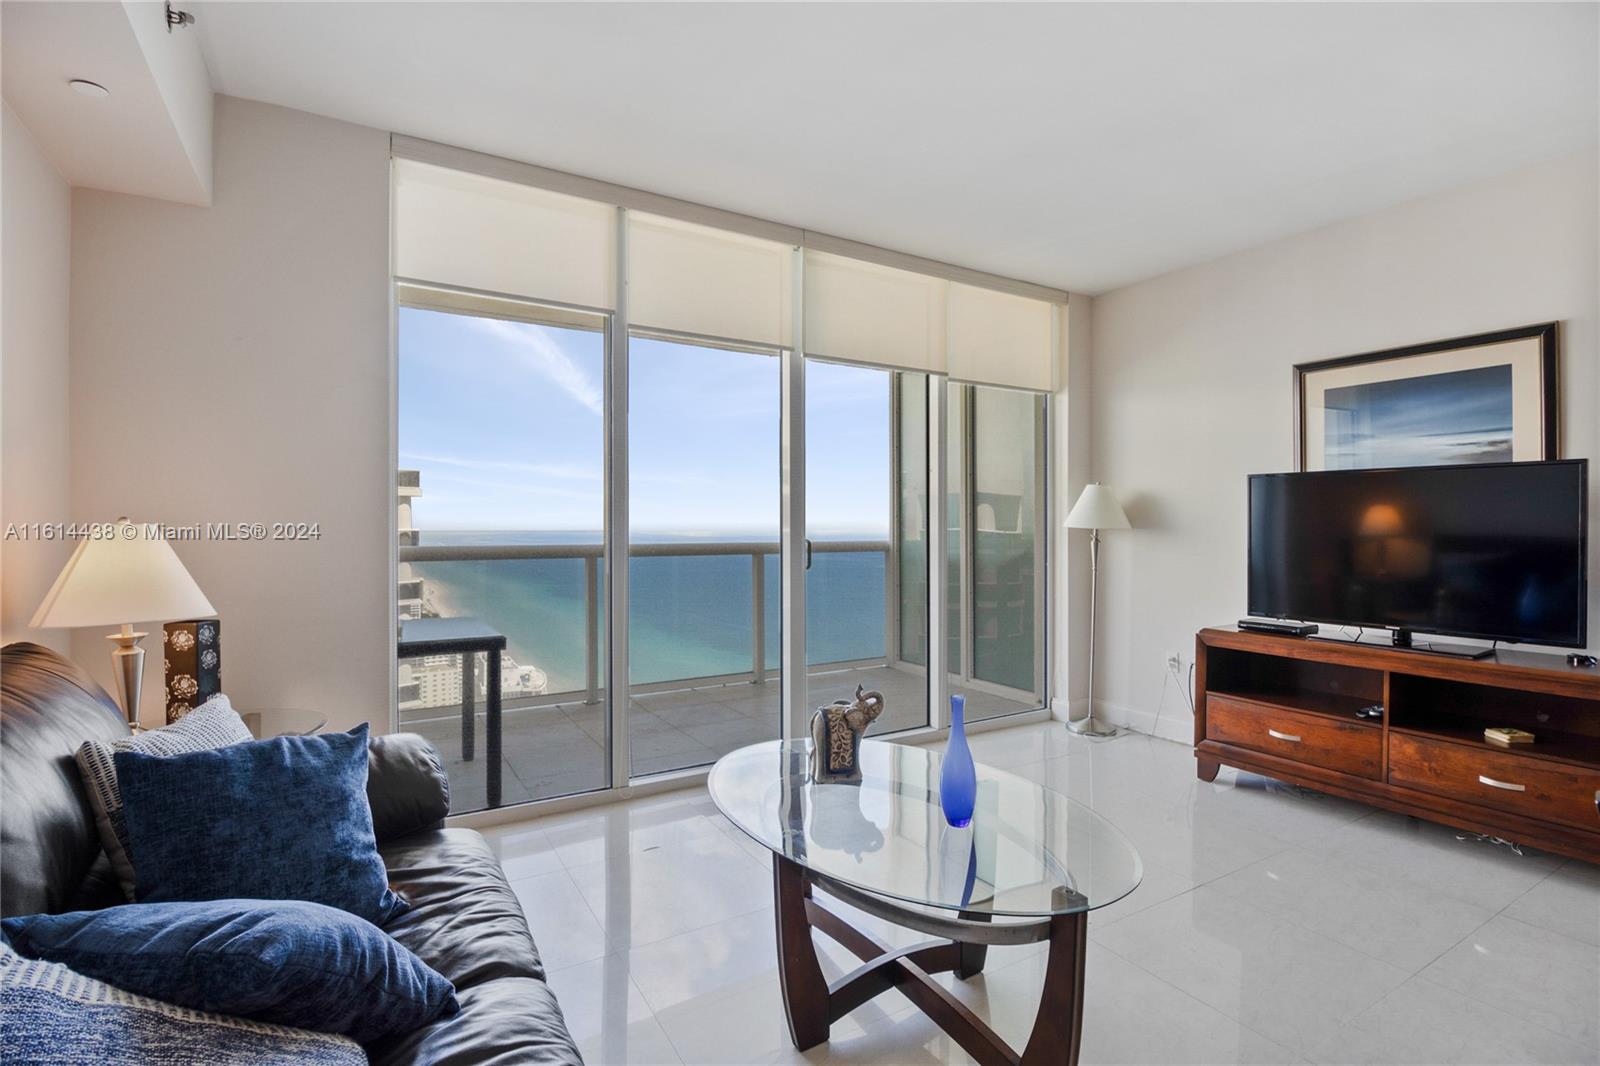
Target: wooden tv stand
[(1285, 707)]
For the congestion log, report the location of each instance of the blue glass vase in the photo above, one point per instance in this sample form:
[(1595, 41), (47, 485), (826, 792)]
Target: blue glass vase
[(958, 780)]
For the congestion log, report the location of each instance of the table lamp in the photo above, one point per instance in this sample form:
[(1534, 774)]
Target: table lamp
[(1095, 510), (129, 572)]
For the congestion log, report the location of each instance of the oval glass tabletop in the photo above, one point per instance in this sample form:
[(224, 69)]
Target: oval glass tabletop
[(1028, 852)]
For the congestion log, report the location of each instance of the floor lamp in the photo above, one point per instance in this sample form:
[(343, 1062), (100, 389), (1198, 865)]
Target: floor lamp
[(1095, 510)]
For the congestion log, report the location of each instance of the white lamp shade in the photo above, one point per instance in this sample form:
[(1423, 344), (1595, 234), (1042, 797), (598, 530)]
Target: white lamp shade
[(1097, 508), (120, 579)]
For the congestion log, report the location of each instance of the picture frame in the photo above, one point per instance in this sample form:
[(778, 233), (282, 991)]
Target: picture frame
[(1488, 397)]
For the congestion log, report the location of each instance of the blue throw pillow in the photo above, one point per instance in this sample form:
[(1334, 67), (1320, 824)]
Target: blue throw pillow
[(289, 963), (286, 818)]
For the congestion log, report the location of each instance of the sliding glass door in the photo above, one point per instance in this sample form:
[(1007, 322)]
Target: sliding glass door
[(866, 474), (501, 521), (997, 541), (704, 619)]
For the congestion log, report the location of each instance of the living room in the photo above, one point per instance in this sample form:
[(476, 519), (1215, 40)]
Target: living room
[(415, 380)]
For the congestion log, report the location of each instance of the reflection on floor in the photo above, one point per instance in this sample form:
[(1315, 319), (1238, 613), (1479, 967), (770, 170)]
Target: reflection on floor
[(559, 749), (1274, 925)]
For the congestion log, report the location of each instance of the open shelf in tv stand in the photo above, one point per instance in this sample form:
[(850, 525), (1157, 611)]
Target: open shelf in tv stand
[(1285, 707)]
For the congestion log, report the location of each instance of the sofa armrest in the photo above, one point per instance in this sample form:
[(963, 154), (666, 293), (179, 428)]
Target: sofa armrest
[(406, 785)]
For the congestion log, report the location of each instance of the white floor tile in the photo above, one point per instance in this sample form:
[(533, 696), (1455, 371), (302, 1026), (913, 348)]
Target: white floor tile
[(1128, 1015), (748, 1026), (1421, 1023), (599, 996), (523, 851), (1481, 873), (1567, 902), (652, 895), (1287, 983), (564, 927), (1531, 973), (640, 1043), (1400, 922), (707, 963)]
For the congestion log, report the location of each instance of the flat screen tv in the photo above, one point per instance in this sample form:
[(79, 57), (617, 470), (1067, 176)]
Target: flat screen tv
[(1494, 551)]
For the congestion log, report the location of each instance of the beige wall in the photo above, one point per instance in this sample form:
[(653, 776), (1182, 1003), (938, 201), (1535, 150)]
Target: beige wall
[(35, 229), (230, 363), (1192, 384)]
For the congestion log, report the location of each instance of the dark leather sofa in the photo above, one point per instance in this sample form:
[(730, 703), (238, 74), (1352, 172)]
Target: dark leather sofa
[(464, 920)]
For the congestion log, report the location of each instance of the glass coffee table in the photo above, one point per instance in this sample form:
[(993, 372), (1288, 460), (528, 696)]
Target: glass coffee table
[(1029, 868)]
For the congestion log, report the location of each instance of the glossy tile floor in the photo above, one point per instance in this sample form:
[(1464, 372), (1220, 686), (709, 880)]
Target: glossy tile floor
[(559, 749), (1273, 925)]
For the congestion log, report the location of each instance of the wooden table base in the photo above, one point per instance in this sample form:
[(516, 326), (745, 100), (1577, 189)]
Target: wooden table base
[(813, 1005)]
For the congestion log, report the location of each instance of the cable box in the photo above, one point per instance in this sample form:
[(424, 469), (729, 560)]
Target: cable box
[(1273, 625)]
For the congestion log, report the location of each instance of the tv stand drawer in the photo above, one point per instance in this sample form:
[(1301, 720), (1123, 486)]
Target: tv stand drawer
[(1507, 780), (1351, 747)]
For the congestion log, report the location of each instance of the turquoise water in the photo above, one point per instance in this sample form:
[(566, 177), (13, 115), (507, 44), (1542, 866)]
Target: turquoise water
[(689, 616)]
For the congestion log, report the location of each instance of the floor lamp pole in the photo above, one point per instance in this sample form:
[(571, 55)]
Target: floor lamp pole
[(1085, 726)]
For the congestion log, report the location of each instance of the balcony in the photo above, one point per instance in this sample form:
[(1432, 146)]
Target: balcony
[(692, 700)]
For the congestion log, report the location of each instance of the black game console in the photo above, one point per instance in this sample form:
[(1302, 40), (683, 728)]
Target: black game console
[(1273, 625)]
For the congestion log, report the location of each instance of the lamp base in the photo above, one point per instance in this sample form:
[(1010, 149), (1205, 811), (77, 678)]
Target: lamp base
[(1086, 727), (127, 660)]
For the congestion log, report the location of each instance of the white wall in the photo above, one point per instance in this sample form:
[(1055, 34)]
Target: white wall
[(1192, 384), (231, 363), (35, 230)]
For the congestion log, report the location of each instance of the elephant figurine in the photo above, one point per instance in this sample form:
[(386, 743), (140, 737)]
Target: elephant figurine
[(836, 732)]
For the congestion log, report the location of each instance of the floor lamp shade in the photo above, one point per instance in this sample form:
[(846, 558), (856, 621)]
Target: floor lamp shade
[(127, 574), (1097, 508)]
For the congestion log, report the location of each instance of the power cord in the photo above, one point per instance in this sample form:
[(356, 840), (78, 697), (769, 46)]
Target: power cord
[(1187, 691)]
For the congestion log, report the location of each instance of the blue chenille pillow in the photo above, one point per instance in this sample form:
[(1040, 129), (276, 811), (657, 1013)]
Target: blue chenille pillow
[(288, 963), (286, 818)]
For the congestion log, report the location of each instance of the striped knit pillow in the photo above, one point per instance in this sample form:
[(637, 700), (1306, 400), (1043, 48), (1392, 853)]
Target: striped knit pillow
[(52, 1015), (213, 724)]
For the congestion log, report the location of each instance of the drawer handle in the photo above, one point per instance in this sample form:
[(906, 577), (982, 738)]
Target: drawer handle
[(1508, 786), (1290, 737)]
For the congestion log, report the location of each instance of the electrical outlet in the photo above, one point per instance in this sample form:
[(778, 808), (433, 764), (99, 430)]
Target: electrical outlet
[(1175, 661)]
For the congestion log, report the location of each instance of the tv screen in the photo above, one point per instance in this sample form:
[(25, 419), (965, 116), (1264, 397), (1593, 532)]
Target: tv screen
[(1495, 551)]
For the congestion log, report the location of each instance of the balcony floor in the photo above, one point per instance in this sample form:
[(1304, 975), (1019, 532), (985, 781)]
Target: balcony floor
[(559, 749)]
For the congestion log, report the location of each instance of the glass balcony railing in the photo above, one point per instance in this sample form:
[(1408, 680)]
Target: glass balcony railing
[(705, 642), (721, 622)]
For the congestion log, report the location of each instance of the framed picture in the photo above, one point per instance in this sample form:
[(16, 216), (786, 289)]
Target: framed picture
[(1484, 399)]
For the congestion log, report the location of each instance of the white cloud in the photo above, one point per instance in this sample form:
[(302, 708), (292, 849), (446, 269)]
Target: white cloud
[(544, 356)]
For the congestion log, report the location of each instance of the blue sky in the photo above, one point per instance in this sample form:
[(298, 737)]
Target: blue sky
[(504, 421)]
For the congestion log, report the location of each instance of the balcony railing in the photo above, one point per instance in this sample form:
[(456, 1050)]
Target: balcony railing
[(591, 555)]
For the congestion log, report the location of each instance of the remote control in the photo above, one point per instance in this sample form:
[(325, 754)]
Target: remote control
[(1578, 658)]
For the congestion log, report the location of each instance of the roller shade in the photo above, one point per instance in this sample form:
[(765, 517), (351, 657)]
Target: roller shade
[(689, 278), (867, 313), (996, 338), (462, 229)]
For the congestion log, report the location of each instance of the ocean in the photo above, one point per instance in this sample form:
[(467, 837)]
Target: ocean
[(689, 616)]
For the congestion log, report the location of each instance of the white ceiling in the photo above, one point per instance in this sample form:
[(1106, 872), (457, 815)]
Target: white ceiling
[(1082, 146)]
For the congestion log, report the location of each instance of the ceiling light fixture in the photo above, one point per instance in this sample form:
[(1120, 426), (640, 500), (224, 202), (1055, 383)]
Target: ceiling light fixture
[(90, 88)]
